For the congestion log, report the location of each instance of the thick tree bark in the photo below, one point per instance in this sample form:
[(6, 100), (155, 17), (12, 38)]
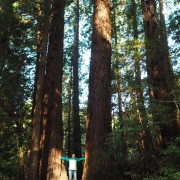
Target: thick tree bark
[(98, 121), (33, 169), (54, 126), (158, 83)]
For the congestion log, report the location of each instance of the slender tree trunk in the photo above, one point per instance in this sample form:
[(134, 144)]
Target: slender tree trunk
[(42, 138), (44, 142), (77, 131), (33, 169), (39, 44), (117, 76), (69, 116), (145, 141), (98, 121)]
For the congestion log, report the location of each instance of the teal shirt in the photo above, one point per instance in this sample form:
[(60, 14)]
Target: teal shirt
[(72, 162), (68, 159)]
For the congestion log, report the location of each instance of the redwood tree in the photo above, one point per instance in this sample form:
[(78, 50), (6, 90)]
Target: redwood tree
[(54, 130), (98, 123), (163, 107), (38, 104)]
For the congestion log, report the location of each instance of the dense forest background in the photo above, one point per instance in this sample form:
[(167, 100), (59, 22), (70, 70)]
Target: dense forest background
[(96, 78)]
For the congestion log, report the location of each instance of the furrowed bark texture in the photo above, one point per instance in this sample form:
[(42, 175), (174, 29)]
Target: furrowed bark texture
[(98, 122)]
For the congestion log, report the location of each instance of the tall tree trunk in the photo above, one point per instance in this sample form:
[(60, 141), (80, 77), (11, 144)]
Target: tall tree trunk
[(69, 115), (33, 169), (159, 92), (54, 125), (145, 141), (165, 48), (77, 131), (98, 123), (170, 78), (39, 44), (42, 159)]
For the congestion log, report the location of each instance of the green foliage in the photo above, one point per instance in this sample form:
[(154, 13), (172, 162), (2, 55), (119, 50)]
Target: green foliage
[(131, 118), (174, 24), (169, 164), (14, 141), (17, 49)]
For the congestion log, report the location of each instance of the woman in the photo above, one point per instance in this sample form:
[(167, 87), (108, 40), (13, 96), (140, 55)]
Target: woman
[(72, 165)]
